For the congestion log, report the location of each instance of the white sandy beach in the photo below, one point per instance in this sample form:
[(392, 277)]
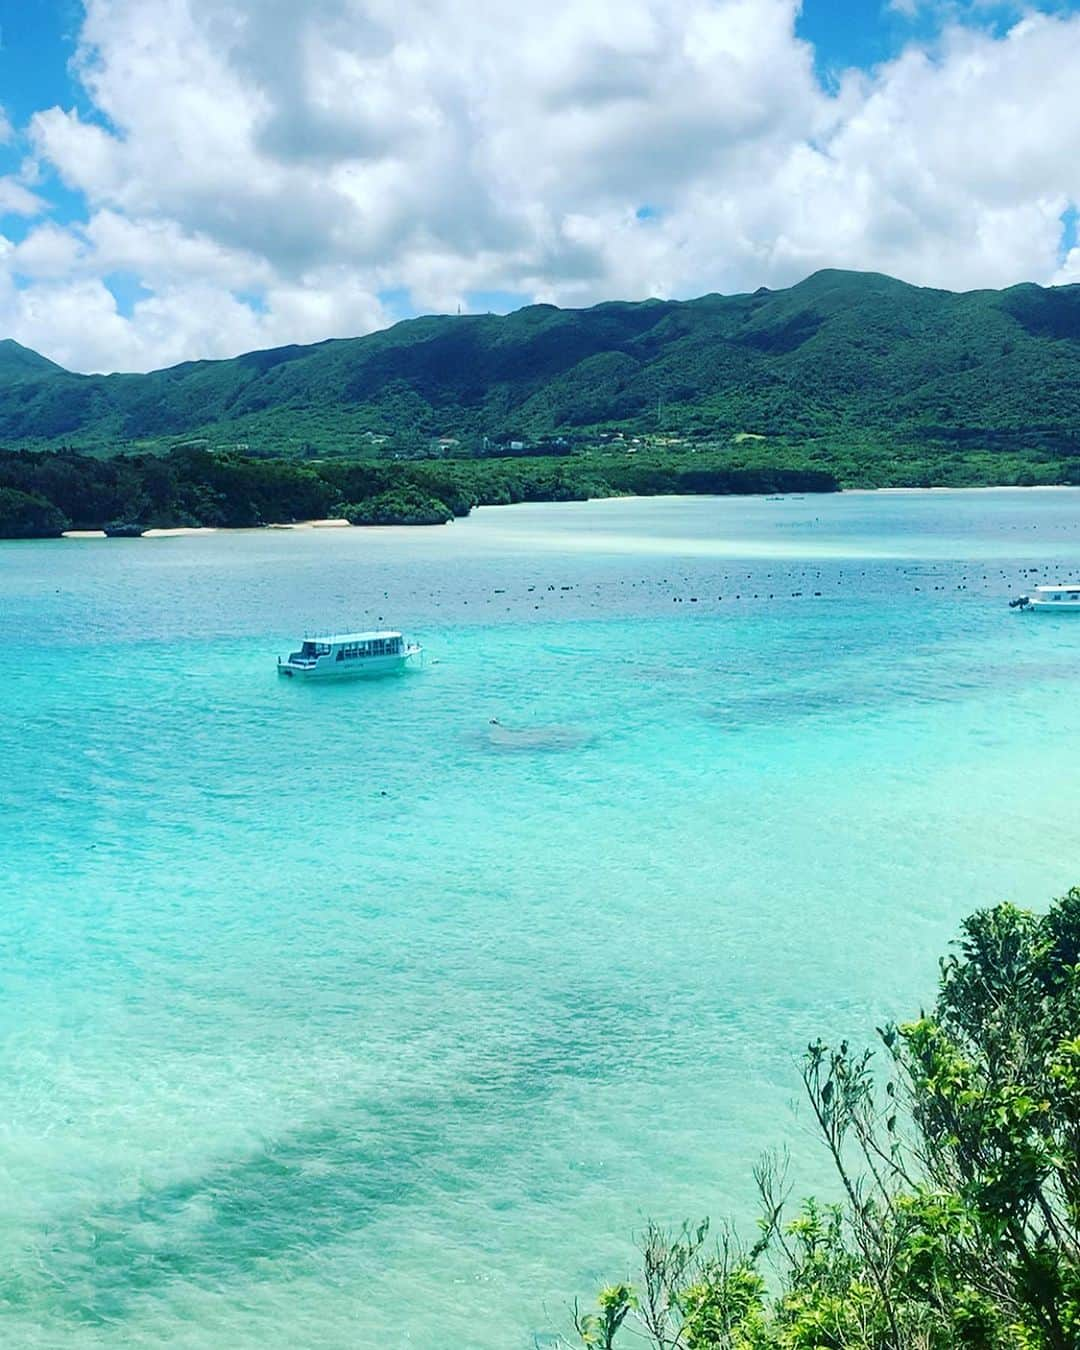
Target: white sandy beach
[(179, 532), (333, 523)]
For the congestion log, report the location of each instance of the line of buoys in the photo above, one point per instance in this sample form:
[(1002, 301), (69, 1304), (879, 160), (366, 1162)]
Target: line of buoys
[(598, 589)]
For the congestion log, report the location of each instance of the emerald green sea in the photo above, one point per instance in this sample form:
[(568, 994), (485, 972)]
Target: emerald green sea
[(343, 1016)]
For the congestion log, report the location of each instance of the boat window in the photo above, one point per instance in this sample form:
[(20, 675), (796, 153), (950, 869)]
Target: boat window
[(308, 649), (341, 656)]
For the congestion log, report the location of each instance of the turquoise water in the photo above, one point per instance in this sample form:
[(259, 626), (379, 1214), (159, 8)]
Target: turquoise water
[(344, 1017)]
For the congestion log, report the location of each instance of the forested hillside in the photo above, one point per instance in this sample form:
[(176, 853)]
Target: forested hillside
[(856, 358)]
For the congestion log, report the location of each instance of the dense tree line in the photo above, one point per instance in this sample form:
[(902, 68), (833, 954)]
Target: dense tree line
[(959, 1223), (42, 494)]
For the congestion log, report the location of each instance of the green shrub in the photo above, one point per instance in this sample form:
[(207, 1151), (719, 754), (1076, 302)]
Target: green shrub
[(405, 505), (25, 515), (960, 1224)]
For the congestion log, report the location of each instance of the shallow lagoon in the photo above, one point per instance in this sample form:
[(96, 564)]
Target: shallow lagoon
[(345, 1017)]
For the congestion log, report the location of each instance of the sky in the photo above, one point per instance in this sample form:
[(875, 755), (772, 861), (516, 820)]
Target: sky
[(185, 179)]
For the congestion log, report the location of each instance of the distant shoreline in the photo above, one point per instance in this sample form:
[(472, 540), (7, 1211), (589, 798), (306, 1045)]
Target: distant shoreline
[(982, 487), (46, 496), (182, 531), (337, 523)]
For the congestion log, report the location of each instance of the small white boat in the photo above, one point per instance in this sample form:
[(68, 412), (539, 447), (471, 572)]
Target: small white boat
[(346, 655), (1059, 598)]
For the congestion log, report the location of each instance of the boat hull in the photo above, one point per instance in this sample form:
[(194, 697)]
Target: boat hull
[(1052, 607), (367, 668)]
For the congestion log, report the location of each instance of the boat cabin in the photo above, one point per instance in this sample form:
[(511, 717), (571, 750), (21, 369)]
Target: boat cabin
[(349, 653), (1058, 595)]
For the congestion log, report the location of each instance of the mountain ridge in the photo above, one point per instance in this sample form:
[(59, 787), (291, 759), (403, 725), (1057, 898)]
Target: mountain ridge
[(839, 354)]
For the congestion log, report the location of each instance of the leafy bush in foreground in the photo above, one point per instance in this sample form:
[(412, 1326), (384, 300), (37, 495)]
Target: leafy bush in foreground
[(960, 1223)]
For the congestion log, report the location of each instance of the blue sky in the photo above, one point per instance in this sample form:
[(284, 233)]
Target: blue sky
[(246, 172), (863, 33), (38, 39), (860, 33), (37, 42)]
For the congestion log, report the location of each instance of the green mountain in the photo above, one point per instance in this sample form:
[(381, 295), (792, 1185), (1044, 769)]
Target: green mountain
[(857, 358), (16, 361)]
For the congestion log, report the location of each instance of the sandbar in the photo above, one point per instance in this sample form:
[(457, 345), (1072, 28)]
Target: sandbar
[(179, 532)]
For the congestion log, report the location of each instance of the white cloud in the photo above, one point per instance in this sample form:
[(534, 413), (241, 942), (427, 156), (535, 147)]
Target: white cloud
[(320, 154), (16, 199), (78, 322), (160, 251)]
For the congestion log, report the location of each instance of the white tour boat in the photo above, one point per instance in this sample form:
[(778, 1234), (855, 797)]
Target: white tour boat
[(1060, 598), (343, 655)]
